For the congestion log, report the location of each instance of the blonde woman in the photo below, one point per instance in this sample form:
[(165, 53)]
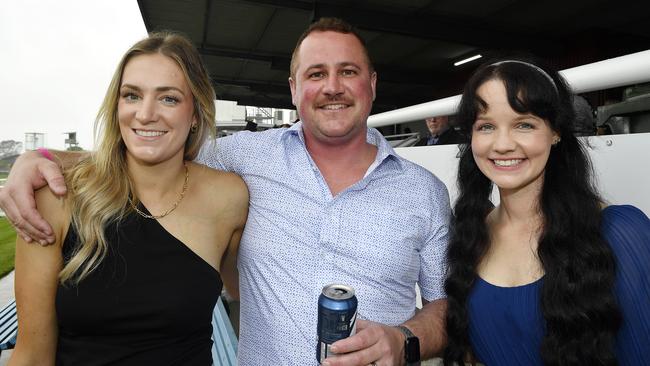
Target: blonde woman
[(144, 237)]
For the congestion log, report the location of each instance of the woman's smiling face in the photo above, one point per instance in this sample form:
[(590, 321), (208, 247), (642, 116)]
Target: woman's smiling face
[(155, 108), (510, 148)]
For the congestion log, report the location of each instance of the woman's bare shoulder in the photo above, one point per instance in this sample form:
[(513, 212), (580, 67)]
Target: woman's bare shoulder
[(207, 177), (49, 205), (54, 209), (218, 187)]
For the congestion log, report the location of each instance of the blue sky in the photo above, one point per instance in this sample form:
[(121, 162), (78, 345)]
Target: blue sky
[(56, 61)]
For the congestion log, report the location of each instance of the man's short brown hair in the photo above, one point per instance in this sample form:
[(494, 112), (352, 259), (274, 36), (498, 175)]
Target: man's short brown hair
[(328, 25)]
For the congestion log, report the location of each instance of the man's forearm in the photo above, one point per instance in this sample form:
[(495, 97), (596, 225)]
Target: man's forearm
[(428, 325)]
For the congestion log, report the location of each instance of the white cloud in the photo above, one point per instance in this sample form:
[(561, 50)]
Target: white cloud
[(56, 60)]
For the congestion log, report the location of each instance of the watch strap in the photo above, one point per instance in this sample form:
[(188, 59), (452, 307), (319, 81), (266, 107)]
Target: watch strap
[(407, 332), (411, 346)]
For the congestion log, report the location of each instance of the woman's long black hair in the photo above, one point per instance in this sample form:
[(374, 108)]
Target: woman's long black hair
[(579, 309)]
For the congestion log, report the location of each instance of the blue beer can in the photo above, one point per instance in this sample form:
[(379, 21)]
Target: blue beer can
[(337, 315)]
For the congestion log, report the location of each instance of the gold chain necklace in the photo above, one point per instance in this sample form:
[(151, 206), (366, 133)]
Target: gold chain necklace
[(187, 175)]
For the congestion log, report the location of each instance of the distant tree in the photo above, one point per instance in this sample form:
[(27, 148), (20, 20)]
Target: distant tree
[(10, 147), (6, 163)]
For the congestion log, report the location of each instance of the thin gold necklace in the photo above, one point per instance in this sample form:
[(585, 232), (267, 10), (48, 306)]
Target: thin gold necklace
[(145, 215)]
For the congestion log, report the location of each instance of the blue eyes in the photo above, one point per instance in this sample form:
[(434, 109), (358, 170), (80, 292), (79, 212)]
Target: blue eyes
[(486, 127), (170, 100), (167, 99), (130, 97)]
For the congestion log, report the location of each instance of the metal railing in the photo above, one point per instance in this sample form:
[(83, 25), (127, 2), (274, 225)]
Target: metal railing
[(611, 73), (403, 140)]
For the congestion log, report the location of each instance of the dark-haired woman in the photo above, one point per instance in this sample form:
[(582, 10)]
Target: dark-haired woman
[(550, 276)]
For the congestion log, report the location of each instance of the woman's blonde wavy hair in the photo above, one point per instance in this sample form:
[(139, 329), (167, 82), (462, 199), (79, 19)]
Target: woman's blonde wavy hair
[(99, 186)]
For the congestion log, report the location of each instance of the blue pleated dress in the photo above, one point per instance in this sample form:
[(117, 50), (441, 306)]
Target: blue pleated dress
[(506, 323)]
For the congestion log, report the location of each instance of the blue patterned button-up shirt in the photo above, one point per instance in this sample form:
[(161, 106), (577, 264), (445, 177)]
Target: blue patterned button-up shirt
[(381, 236)]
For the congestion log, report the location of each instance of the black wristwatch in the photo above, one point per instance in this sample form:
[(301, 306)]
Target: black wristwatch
[(411, 347)]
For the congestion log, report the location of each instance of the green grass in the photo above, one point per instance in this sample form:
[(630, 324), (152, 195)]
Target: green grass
[(3, 175), (7, 247)]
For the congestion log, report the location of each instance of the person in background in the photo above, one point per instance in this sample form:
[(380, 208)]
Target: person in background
[(250, 126), (440, 133), (330, 201), (585, 125), (144, 237), (552, 275)]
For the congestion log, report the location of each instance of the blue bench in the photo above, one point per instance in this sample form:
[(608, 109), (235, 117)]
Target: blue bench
[(224, 346), (224, 349), (8, 326)]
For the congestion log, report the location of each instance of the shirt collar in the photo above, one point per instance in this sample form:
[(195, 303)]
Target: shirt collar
[(384, 150)]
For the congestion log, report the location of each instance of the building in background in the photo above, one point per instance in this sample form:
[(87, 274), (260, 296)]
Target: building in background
[(34, 140), (232, 117), (71, 143)]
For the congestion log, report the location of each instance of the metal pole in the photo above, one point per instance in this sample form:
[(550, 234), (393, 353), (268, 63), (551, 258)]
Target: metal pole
[(619, 71)]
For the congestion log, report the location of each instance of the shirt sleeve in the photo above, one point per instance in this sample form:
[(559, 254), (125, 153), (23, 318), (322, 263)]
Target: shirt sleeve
[(433, 255), (219, 153), (627, 230)]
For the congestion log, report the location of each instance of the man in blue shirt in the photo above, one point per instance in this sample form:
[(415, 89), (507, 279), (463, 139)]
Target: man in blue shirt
[(330, 201)]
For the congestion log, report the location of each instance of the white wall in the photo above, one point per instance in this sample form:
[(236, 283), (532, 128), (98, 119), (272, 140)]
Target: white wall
[(622, 164), (228, 111)]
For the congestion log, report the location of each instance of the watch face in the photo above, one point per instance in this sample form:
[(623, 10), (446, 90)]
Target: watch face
[(412, 349)]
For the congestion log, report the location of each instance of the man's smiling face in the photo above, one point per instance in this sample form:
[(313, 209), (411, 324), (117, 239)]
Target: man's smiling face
[(333, 87)]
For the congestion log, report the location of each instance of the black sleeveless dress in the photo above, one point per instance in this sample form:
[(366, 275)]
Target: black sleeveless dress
[(149, 303)]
